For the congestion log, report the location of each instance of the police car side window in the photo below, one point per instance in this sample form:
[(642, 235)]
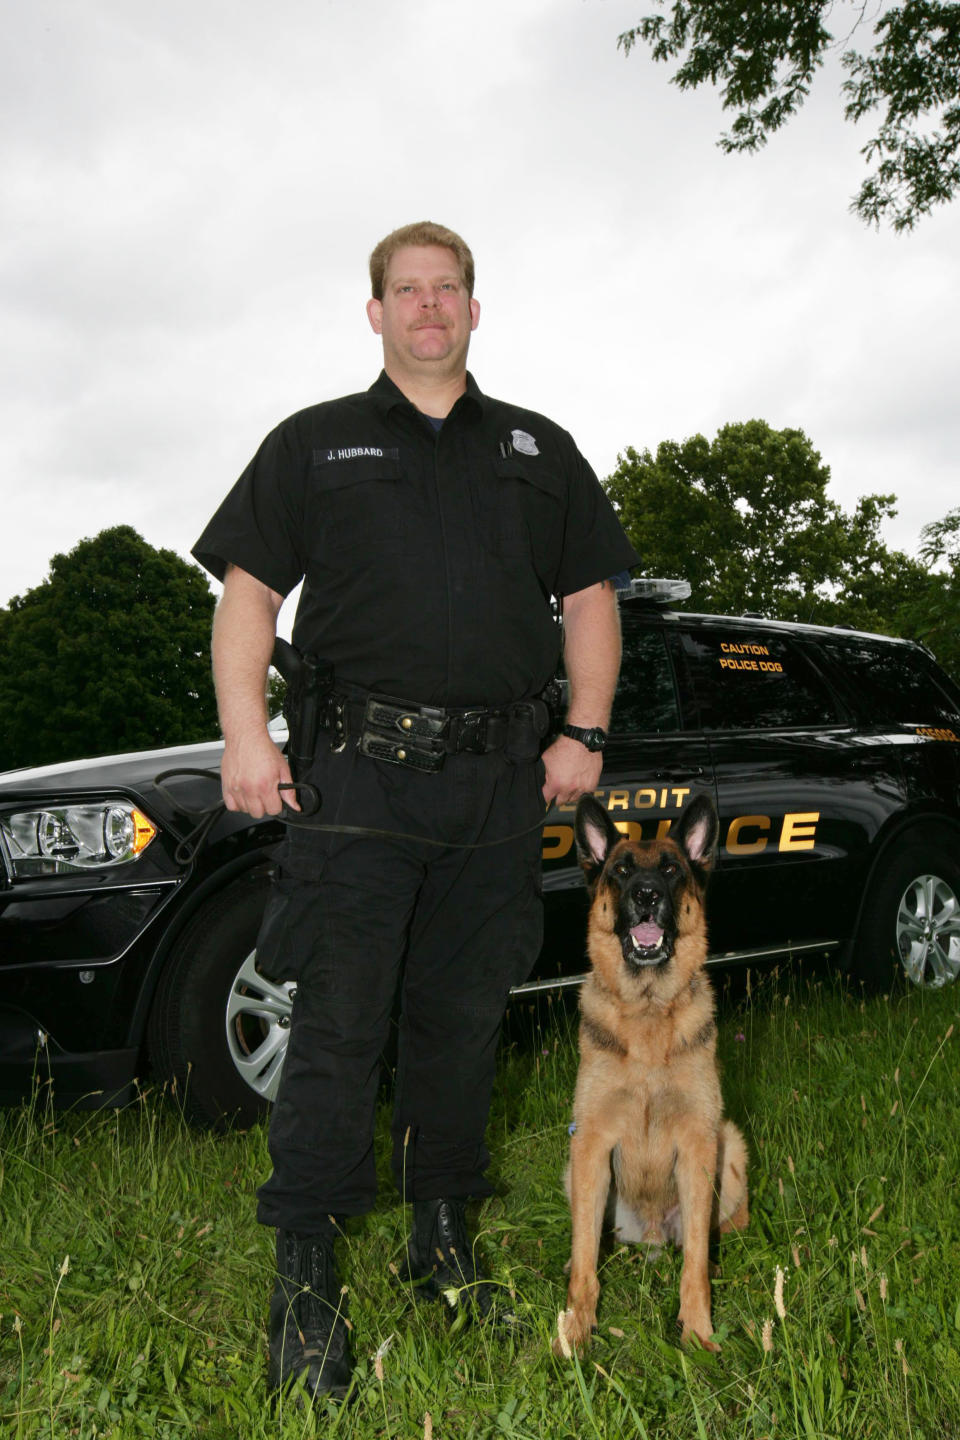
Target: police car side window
[(646, 700), (893, 684), (755, 680)]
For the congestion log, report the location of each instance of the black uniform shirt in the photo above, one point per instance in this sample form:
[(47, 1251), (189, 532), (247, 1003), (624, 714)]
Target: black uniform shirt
[(428, 558)]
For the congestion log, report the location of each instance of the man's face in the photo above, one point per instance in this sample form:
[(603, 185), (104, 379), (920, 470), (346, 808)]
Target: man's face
[(426, 316)]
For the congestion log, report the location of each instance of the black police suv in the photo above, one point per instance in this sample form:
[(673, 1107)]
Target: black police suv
[(128, 922)]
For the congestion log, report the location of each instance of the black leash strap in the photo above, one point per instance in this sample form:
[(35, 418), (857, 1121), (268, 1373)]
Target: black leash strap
[(192, 842), (416, 839), (160, 783), (309, 796)]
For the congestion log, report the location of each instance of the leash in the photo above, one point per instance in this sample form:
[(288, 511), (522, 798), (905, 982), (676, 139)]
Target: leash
[(190, 844)]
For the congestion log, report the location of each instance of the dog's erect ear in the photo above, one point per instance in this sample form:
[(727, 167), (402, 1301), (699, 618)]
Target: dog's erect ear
[(697, 831), (596, 836)]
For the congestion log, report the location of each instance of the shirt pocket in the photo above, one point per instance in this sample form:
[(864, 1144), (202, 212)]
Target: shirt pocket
[(361, 503), (521, 511)]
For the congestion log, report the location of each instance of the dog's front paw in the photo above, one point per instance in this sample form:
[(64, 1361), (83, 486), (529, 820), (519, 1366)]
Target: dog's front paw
[(700, 1331), (574, 1328)]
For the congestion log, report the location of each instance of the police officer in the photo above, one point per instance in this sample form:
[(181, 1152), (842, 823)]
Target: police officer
[(431, 526)]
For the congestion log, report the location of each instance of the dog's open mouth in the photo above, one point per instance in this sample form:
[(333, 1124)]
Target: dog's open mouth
[(645, 944)]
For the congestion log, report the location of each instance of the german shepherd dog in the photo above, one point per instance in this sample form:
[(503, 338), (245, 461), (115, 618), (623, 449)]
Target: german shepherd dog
[(650, 1148)]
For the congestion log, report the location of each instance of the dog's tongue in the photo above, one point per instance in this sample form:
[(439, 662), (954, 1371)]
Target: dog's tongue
[(646, 934)]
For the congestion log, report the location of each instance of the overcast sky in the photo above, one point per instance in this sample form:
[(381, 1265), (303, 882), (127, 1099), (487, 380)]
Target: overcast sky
[(190, 190)]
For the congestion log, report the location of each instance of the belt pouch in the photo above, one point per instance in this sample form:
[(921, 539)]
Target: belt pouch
[(403, 735), (529, 722)]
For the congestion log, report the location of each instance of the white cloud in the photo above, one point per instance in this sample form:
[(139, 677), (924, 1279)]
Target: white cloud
[(190, 193)]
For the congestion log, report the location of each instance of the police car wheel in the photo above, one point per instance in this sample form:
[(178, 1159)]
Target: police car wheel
[(218, 1029), (910, 926)]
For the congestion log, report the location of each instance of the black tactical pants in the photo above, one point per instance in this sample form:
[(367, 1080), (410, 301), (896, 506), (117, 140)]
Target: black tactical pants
[(351, 918)]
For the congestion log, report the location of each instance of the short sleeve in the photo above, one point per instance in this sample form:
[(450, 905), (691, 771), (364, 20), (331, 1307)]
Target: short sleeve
[(595, 545), (260, 525)]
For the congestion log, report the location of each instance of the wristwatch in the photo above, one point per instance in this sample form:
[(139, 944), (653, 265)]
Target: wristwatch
[(594, 738)]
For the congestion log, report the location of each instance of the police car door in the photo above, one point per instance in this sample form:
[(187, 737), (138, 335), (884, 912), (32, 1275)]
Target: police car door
[(784, 767), (654, 761)]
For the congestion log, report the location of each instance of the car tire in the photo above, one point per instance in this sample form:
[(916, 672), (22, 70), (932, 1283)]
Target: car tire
[(910, 923), (218, 1029)]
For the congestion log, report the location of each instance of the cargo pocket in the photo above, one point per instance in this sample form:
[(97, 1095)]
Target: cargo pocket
[(540, 775), (285, 928), (528, 929), (309, 839)]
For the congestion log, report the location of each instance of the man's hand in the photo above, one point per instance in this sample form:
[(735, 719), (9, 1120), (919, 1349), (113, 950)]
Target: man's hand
[(252, 769), (572, 770), (244, 630), (591, 648)]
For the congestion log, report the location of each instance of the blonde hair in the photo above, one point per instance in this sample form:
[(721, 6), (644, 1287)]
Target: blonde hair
[(423, 232)]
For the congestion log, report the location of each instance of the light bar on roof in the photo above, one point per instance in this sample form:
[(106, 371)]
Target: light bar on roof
[(659, 592)]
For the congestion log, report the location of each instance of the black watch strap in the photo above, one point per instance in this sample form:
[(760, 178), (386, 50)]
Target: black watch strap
[(594, 738)]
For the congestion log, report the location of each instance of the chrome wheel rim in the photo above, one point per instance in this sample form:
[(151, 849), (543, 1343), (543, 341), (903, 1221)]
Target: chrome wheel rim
[(258, 1027), (928, 932)]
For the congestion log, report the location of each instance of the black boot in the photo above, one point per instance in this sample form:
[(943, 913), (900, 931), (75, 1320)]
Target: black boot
[(441, 1261), (309, 1338)]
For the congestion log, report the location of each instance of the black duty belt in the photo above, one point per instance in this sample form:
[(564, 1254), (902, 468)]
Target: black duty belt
[(422, 736), (403, 732)]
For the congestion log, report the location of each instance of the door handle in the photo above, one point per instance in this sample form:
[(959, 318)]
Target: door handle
[(680, 772)]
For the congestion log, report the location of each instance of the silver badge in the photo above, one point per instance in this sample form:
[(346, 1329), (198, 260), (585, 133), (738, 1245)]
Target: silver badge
[(524, 443)]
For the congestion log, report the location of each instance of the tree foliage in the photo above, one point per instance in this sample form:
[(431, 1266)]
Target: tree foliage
[(940, 542), (110, 653), (747, 520), (763, 57), (935, 609)]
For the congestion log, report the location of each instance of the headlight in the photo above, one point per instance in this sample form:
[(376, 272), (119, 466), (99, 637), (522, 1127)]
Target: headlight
[(62, 839)]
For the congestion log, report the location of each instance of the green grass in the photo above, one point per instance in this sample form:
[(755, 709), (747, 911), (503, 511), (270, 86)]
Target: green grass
[(134, 1279)]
